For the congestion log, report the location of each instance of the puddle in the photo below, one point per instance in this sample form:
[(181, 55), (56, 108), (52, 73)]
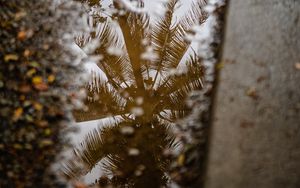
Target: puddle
[(147, 81)]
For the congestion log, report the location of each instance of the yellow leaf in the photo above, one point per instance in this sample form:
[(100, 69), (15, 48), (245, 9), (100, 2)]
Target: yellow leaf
[(10, 57), (38, 106), (45, 142), (37, 80), (17, 146), (30, 72), (51, 78)]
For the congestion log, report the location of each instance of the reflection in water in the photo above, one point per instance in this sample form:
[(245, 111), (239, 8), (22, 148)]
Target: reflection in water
[(144, 90)]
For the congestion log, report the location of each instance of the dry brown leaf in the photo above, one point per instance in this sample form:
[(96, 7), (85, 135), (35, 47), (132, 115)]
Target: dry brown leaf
[(26, 53), (25, 88), (41, 86)]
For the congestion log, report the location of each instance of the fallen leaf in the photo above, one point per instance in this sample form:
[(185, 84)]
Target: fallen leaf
[(34, 64), (37, 106), (37, 80), (21, 35), (26, 53), (29, 118), (41, 86), (17, 114), (45, 142), (51, 78), (31, 72), (42, 124), (25, 88), (27, 103), (11, 57)]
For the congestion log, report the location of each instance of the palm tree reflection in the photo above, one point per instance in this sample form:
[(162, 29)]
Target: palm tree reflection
[(147, 81)]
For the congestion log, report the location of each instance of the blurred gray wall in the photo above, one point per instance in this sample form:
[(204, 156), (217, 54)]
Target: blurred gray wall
[(255, 137)]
